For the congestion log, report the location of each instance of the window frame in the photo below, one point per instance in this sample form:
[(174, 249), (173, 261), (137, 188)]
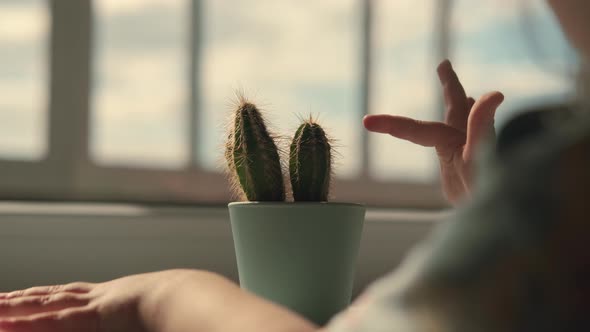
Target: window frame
[(68, 173)]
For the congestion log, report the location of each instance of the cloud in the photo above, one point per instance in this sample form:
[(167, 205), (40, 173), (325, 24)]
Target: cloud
[(293, 57), (522, 80), (524, 85), (116, 7), (23, 124), (23, 132), (475, 16), (139, 109), (151, 27), (471, 16), (304, 59), (415, 97), (403, 88), (399, 22), (148, 139), (147, 83), (23, 23), (405, 83), (16, 93), (23, 95)]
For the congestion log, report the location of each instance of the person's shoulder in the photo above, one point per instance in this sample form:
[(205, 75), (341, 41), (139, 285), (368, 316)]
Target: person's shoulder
[(560, 125), (527, 124)]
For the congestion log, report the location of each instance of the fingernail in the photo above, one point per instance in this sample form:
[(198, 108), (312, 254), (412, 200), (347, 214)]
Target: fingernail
[(443, 69), (446, 63)]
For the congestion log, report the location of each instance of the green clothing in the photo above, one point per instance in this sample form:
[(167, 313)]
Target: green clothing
[(515, 258)]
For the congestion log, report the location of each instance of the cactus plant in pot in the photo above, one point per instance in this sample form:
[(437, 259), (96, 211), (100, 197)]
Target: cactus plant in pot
[(298, 254)]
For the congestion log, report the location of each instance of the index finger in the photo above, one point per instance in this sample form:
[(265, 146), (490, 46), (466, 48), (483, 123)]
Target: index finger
[(456, 103), (423, 133)]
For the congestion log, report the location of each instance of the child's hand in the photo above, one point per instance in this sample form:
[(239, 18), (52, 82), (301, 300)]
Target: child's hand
[(109, 306), (456, 140), (173, 300)]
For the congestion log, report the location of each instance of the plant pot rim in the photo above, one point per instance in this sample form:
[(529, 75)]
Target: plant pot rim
[(257, 204)]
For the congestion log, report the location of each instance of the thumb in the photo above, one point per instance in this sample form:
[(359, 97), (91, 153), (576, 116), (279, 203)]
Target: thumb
[(481, 122)]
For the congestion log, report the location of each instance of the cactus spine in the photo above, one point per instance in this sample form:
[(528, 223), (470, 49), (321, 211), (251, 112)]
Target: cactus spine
[(253, 157), (310, 163)]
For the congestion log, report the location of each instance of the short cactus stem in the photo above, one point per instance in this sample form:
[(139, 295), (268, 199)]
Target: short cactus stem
[(252, 156), (310, 162)]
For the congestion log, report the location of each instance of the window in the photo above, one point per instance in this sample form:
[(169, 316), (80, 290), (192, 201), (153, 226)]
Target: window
[(403, 83), (138, 90), (514, 47), (265, 47), (23, 79)]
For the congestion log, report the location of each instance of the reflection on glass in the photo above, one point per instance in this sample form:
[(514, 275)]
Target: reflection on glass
[(290, 57), (140, 88), (23, 79), (403, 83)]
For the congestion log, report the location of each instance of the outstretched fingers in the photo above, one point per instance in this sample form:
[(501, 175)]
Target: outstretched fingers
[(76, 287), (48, 308), (424, 133), (35, 304), (456, 102)]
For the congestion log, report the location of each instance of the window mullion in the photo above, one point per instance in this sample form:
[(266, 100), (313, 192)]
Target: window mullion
[(69, 88), (365, 81), (442, 33), (194, 80)]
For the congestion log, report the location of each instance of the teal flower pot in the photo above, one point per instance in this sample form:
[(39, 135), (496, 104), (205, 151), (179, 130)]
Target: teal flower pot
[(299, 255)]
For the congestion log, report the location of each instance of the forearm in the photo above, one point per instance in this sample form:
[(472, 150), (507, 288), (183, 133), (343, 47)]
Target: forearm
[(200, 301)]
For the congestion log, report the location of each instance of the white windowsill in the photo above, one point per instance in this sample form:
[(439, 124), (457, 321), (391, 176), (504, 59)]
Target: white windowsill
[(47, 243), (137, 210)]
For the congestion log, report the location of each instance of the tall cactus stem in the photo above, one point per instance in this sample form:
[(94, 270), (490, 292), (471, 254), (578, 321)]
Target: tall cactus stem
[(310, 163), (253, 157)]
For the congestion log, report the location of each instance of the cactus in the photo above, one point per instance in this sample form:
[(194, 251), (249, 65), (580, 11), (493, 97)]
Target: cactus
[(310, 162), (253, 157)]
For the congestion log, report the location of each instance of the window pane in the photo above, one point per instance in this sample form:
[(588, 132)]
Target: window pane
[(291, 57), (23, 78), (514, 47), (403, 83), (141, 84)]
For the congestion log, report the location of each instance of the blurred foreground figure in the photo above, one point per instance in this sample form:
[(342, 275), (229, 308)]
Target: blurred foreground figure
[(517, 256)]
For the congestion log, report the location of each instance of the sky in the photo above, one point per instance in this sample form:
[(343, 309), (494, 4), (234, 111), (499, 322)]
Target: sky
[(291, 58)]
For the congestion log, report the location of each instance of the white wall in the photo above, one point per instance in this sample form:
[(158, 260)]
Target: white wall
[(44, 244)]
